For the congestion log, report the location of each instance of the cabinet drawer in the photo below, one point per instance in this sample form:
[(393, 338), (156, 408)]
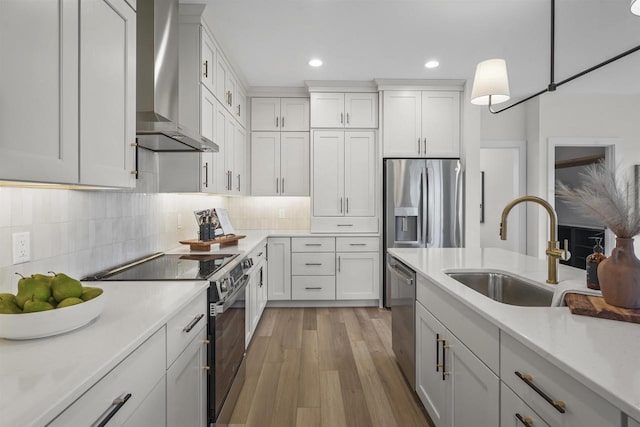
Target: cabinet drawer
[(477, 333), (313, 288), (511, 406), (185, 325), (313, 264), (136, 376), (337, 225), (582, 406), (357, 244), (313, 244)]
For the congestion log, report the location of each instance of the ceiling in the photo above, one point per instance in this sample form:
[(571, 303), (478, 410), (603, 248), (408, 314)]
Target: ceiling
[(271, 41)]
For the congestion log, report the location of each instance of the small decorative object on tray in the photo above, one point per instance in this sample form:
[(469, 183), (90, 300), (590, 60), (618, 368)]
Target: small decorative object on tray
[(214, 227), (615, 203)]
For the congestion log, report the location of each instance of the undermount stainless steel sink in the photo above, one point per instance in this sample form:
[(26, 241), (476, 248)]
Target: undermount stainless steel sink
[(505, 288)]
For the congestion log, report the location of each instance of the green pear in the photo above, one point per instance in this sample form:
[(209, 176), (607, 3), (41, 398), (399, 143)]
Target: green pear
[(9, 307), (89, 292), (34, 305), (68, 302), (44, 278), (8, 297), (64, 287), (29, 288), (52, 301)]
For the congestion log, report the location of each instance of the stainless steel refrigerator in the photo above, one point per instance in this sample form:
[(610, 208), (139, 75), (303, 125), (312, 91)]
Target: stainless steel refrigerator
[(423, 206)]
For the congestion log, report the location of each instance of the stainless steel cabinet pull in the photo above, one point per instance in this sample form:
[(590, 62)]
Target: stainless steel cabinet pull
[(347, 205), (341, 117), (347, 118), (559, 405), (206, 68), (357, 244), (277, 183), (277, 118), (419, 146), (193, 323), (206, 174), (282, 122), (340, 204), (339, 264), (238, 110), (525, 421), (282, 185), (313, 244), (314, 288), (117, 404), (344, 225), (313, 263), (238, 182), (425, 146), (260, 254)]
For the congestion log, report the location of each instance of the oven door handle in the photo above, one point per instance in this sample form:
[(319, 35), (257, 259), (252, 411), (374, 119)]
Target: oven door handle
[(221, 307)]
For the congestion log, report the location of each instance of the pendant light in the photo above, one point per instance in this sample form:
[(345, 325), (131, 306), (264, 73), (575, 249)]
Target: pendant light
[(491, 82)]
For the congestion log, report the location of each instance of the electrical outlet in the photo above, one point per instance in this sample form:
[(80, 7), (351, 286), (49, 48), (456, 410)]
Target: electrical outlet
[(179, 222), (282, 214), (21, 247)]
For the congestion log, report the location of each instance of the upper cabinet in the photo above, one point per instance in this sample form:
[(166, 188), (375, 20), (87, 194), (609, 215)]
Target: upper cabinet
[(421, 123), (281, 166), (344, 110), (72, 70), (280, 114)]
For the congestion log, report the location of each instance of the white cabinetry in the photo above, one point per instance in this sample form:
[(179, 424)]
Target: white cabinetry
[(256, 298), (72, 70), (633, 423), (280, 114), (421, 124), (514, 412), (280, 163), (279, 268), (357, 268), (453, 384), (344, 110), (344, 180)]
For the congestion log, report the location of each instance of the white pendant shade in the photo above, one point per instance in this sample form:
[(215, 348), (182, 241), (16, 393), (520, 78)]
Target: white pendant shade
[(635, 7), (491, 80)]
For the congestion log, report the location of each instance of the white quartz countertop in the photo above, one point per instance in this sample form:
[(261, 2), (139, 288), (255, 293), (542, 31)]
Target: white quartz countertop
[(39, 378), (602, 354)]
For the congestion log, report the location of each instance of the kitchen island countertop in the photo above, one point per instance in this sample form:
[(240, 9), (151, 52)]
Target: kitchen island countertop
[(601, 354), (39, 378)]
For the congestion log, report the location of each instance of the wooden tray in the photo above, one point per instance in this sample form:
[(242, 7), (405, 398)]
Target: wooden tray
[(590, 305), (205, 245)]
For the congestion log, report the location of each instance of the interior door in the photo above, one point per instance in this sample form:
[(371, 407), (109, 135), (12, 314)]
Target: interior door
[(294, 114), (402, 134), (294, 164), (361, 110), (328, 173), (360, 173), (265, 163)]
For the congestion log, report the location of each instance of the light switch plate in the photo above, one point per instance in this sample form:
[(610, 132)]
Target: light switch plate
[(21, 247)]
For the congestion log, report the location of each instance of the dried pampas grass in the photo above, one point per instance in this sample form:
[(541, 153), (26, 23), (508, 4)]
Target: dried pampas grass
[(607, 198)]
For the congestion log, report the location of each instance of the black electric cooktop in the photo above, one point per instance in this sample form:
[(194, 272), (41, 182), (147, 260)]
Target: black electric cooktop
[(167, 267)]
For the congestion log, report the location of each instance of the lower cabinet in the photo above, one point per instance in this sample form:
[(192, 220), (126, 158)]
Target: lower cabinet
[(279, 268), (456, 388), (357, 275), (149, 412), (187, 386), (514, 412)]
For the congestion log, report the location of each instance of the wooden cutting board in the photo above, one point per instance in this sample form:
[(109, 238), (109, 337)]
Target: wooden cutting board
[(590, 305), (205, 245)]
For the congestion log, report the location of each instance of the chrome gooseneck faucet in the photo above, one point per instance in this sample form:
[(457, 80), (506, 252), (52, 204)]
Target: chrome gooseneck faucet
[(553, 253)]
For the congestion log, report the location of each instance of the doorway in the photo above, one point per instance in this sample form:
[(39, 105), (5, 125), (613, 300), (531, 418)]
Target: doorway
[(503, 177)]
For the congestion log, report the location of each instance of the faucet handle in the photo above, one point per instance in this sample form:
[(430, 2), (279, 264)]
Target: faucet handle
[(566, 255)]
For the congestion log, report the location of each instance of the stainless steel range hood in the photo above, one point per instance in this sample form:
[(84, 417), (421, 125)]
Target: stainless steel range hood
[(157, 126)]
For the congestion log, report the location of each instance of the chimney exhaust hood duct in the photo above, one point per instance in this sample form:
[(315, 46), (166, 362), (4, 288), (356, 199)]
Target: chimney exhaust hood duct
[(157, 126)]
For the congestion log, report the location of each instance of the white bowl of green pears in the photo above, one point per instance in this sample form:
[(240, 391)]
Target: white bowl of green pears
[(47, 305)]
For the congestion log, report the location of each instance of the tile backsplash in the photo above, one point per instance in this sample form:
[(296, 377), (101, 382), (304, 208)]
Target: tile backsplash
[(80, 232), (270, 213)]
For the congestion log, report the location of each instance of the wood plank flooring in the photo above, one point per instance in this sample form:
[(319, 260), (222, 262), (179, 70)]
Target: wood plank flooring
[(325, 367)]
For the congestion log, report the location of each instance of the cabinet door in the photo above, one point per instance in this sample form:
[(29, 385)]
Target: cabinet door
[(207, 114), (441, 124), (221, 79), (241, 107), (357, 275), (187, 386), (230, 87), (265, 163), (361, 110), (206, 172), (229, 153), (430, 387), (208, 61), (294, 165), (327, 110), (294, 114), (328, 173), (279, 268), (263, 288), (107, 93), (39, 82), (360, 173), (251, 304), (265, 114), (474, 391), (220, 175), (240, 161), (151, 411), (633, 423), (402, 135)]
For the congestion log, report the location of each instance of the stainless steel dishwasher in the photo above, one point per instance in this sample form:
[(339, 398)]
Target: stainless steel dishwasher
[(402, 281)]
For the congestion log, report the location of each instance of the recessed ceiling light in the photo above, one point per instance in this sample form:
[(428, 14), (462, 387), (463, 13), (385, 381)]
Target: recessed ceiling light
[(315, 62), (431, 64)]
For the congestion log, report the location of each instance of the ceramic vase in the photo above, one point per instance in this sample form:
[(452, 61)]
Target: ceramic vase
[(619, 276)]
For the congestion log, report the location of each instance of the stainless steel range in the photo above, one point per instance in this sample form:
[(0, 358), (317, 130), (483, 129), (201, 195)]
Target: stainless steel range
[(226, 326)]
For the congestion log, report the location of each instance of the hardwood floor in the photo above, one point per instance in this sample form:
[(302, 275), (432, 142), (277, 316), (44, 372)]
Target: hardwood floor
[(325, 367)]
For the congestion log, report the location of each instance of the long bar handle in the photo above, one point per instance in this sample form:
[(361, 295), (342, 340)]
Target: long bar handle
[(444, 360), (339, 264), (528, 422), (559, 405), (347, 205), (206, 174), (313, 244), (313, 288), (277, 185), (341, 117), (119, 403), (277, 121), (419, 146), (282, 186), (282, 120), (238, 182), (193, 323), (312, 263), (206, 68)]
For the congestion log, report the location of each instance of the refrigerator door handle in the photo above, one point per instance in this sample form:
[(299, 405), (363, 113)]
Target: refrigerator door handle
[(424, 190)]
